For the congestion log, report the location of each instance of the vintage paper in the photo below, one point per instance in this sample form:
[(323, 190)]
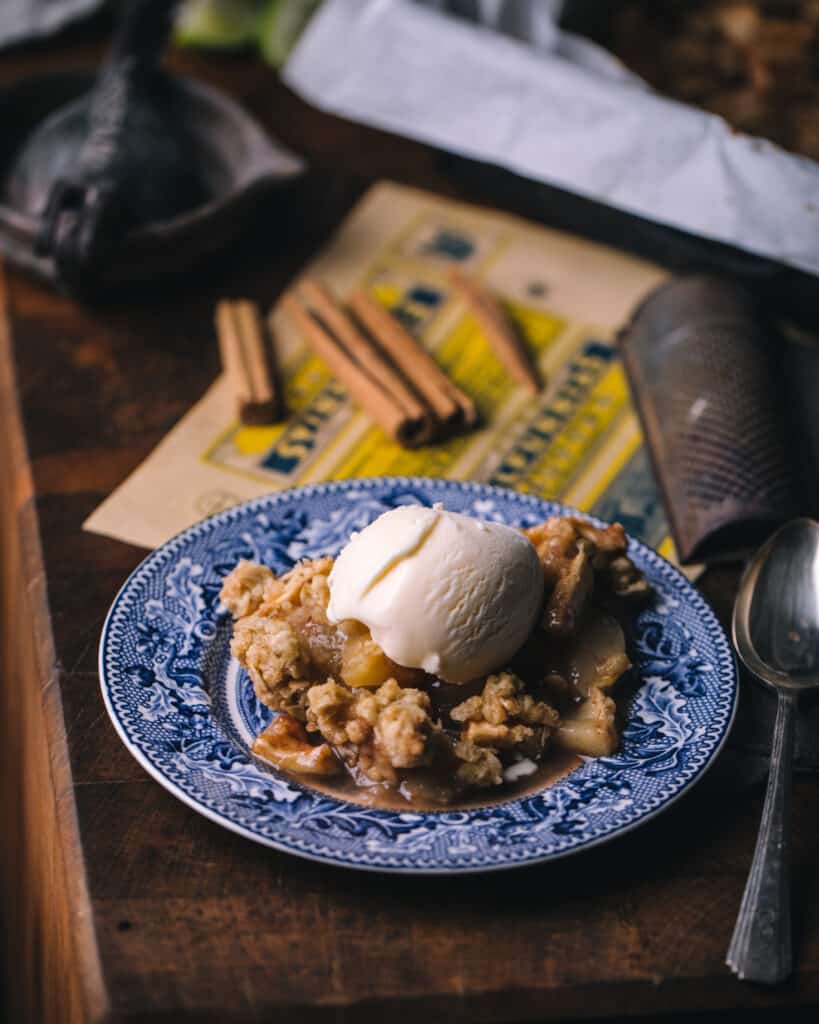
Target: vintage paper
[(579, 441)]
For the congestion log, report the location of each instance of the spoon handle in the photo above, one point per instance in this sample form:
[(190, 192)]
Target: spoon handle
[(760, 947)]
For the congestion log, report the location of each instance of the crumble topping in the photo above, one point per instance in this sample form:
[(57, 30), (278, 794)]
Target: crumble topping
[(391, 726), (305, 587), (284, 639), (575, 555), (246, 587), (479, 767), (344, 705), (505, 717), (271, 652)]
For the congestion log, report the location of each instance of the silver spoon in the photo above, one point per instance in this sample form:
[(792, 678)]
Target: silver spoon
[(776, 633)]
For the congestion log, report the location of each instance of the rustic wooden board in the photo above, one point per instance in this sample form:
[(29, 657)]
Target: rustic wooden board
[(187, 921), (50, 942)]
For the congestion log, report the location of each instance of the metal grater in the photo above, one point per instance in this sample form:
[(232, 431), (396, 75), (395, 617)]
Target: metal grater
[(705, 373)]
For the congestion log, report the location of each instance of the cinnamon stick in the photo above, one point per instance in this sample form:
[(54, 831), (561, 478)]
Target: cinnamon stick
[(247, 361), (449, 403), (501, 336), (407, 428), (365, 353)]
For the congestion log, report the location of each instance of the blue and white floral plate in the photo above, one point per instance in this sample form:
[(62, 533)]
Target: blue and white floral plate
[(188, 713)]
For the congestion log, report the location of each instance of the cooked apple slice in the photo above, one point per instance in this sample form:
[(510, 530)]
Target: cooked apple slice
[(590, 728), (285, 744), (597, 656)]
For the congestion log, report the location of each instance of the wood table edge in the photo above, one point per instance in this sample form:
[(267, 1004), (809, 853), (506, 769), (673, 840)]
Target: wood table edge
[(52, 957)]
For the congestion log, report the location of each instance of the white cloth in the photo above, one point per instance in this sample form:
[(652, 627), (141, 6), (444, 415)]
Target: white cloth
[(25, 19), (585, 127), (536, 22)]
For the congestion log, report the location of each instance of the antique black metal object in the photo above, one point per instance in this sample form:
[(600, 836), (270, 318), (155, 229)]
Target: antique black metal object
[(130, 176)]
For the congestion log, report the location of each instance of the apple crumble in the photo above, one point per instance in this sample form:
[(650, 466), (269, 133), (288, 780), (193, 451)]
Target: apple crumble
[(346, 708)]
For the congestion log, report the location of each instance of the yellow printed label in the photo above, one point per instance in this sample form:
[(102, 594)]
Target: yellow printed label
[(602, 468), (556, 469), (575, 441), (387, 294), (376, 455), (667, 550), (312, 398), (578, 439), (255, 440), (563, 437), (468, 358)]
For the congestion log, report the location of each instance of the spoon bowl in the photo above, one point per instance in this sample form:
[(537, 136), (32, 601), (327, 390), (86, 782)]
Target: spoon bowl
[(776, 615)]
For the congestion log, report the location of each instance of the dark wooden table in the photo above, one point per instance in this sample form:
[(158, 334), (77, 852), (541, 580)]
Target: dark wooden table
[(122, 904)]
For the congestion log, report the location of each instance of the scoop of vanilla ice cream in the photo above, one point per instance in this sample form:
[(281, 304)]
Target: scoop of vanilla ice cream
[(439, 591)]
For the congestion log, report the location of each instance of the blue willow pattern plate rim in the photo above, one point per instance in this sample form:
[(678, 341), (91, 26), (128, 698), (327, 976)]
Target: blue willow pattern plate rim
[(155, 653)]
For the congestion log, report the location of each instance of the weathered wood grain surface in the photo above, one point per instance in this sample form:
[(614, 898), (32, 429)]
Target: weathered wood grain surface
[(135, 908)]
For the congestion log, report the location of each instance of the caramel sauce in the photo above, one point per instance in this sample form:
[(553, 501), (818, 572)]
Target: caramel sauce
[(425, 792), (571, 668)]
